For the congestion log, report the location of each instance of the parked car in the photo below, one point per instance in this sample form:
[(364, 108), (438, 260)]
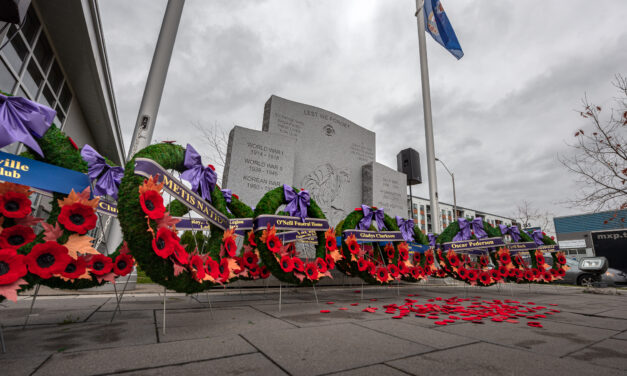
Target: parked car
[(575, 276)]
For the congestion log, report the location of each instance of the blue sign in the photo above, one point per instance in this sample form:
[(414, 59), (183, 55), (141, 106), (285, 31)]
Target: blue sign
[(26, 171)]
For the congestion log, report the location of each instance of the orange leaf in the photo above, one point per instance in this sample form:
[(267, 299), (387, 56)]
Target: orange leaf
[(12, 187), (151, 185), (80, 244), (82, 198), (9, 291)]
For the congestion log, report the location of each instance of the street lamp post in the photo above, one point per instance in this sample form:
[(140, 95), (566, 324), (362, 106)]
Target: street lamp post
[(454, 196)]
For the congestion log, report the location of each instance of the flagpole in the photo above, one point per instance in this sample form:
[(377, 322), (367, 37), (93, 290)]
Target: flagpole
[(426, 104)]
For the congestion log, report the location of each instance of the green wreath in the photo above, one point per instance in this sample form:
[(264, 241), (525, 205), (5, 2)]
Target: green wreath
[(60, 151), (269, 204), (135, 227), (352, 268), (417, 272)]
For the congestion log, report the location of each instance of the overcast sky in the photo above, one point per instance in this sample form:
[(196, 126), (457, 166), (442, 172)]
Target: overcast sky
[(501, 114)]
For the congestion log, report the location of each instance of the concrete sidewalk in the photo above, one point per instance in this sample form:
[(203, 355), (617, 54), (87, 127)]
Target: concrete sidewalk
[(244, 333)]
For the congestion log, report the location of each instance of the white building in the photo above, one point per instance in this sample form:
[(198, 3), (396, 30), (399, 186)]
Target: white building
[(421, 209)]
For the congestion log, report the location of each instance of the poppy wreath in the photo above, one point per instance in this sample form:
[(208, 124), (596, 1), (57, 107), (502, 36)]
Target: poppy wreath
[(416, 270), (372, 263), (282, 260), (249, 260), (150, 230), (543, 274), (461, 267), (63, 244)]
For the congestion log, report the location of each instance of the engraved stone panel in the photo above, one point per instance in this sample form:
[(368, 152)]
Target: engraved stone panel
[(385, 188), (330, 153), (257, 162)]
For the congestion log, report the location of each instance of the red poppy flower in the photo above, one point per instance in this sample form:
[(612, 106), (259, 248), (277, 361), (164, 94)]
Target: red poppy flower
[(503, 271), (483, 260), (77, 218), (12, 266), (311, 271), (561, 272), (196, 265), (546, 276), (429, 258), (453, 259), (362, 265), (485, 278), (417, 272), (393, 271), (416, 258), (16, 236), (100, 265), (321, 265), (389, 249), (536, 273), (353, 246), (462, 272), (371, 267), (287, 264), (402, 268), (152, 204), (250, 259), (223, 270), (539, 258), (441, 273), (561, 259), (330, 243), (164, 243), (229, 246), (212, 268), (330, 262), (472, 275), (15, 205), (382, 274), (403, 253), (254, 272), (299, 265), (264, 272), (180, 254), (495, 274), (505, 258), (529, 275), (46, 259), (251, 238), (124, 264), (75, 268), (273, 243)]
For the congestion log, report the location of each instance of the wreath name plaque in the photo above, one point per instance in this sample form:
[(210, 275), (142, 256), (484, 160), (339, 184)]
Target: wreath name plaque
[(374, 236), (522, 247), (468, 245), (282, 222), (147, 168)]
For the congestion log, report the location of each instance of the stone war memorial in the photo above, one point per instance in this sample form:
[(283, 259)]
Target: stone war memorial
[(314, 149)]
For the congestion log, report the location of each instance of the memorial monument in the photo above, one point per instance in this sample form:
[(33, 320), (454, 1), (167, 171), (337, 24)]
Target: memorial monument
[(317, 150)]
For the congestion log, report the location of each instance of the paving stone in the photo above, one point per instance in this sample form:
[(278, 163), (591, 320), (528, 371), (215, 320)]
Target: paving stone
[(617, 313), (78, 336), (139, 357), (622, 335), (190, 324), (375, 370), (12, 365), (588, 320), (608, 353), (331, 348), (557, 339), (425, 336), (249, 364), (484, 359)]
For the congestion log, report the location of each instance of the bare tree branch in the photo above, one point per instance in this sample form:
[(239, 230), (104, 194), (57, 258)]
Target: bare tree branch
[(599, 156), (215, 143)]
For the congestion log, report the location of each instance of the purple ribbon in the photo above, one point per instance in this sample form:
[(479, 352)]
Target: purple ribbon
[(407, 228), (512, 231), (198, 175), (369, 214), (228, 196), (297, 202), (537, 237), (108, 178), (432, 238), (466, 227), (20, 119)]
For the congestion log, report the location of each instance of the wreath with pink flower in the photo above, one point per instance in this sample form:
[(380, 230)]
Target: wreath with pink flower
[(283, 260), (373, 263)]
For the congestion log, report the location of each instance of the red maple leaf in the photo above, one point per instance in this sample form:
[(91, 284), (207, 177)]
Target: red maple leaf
[(51, 233), (10, 291), (28, 221), (167, 221)]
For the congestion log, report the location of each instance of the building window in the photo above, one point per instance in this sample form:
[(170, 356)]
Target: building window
[(29, 69)]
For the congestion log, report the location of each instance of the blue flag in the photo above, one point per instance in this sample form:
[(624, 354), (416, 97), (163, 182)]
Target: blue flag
[(438, 25)]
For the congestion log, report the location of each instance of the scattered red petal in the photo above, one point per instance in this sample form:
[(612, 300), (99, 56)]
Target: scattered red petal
[(354, 304), (440, 323), (330, 302), (343, 309), (397, 317), (324, 311)]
